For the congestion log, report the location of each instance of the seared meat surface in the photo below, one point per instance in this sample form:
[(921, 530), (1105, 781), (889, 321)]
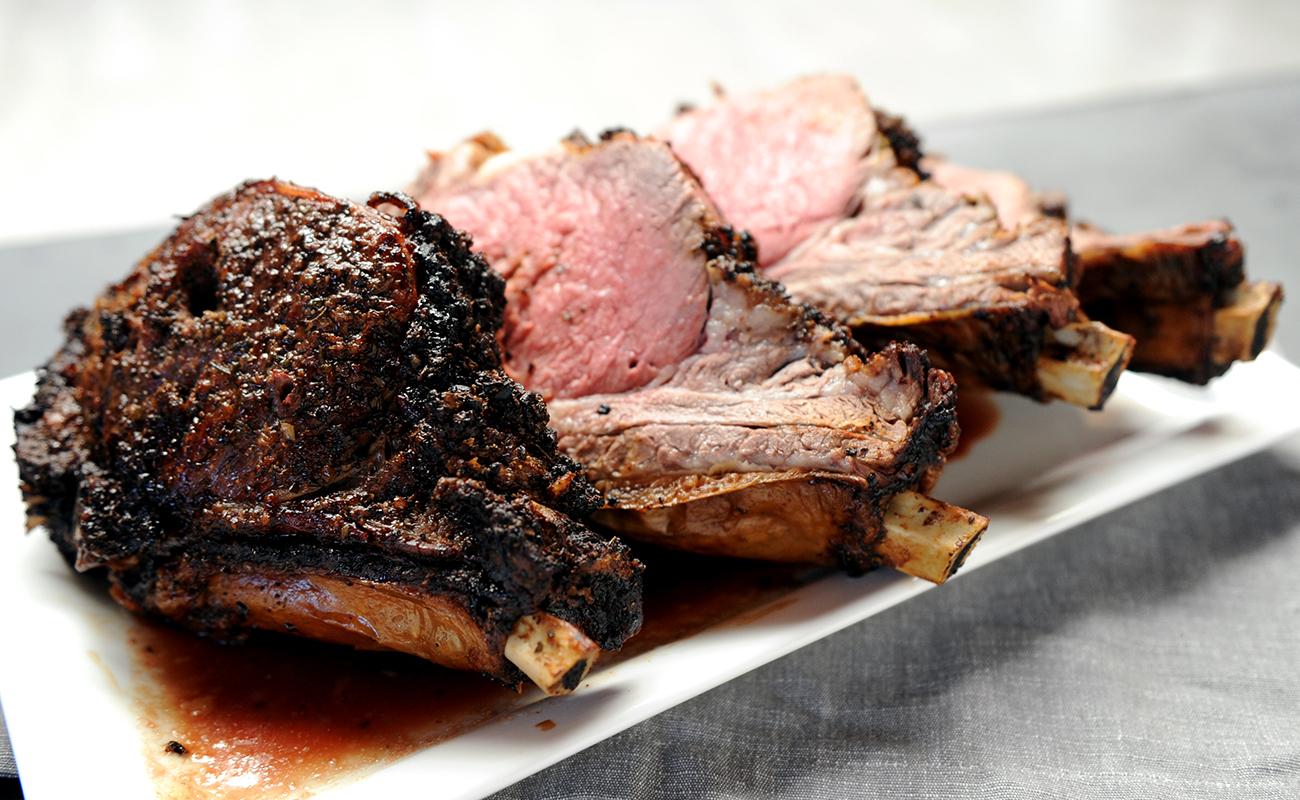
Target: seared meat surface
[(718, 415), (292, 414), (843, 217), (1180, 291), (1200, 259)]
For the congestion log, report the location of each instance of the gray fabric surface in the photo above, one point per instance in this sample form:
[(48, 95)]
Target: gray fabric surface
[(1151, 653)]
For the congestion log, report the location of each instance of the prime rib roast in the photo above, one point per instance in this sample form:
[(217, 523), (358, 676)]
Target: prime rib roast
[(715, 414), (831, 191), (292, 416), (1180, 291)]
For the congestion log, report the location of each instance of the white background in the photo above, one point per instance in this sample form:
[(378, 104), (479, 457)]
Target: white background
[(117, 115)]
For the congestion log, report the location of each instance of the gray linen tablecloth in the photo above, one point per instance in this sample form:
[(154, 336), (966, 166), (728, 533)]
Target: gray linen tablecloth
[(1154, 652)]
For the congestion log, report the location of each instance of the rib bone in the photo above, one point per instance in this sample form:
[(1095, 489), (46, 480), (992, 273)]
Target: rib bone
[(552, 652), (1083, 362), (1245, 324), (926, 538)]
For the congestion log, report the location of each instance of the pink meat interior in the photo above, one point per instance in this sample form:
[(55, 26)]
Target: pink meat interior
[(782, 163), (605, 283)]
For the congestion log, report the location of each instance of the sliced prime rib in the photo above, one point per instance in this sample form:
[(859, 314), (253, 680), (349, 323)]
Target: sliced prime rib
[(1180, 291), (717, 415), (830, 190), (292, 415)]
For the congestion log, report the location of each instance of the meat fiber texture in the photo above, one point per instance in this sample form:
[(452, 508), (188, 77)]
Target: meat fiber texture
[(294, 386), (718, 415), (830, 190)]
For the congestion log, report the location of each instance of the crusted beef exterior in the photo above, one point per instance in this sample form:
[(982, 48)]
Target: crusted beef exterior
[(872, 241), (903, 141), (294, 391), (1170, 265), (718, 415), (1180, 291)]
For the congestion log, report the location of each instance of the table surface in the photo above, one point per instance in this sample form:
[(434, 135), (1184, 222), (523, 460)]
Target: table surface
[(1150, 653)]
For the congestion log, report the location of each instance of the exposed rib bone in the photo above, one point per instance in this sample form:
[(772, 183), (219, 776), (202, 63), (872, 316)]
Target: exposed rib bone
[(926, 538), (1082, 363), (1243, 327), (555, 654)]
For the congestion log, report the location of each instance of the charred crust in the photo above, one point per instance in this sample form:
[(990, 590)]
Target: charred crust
[(341, 366), (1108, 384), (738, 247), (573, 677), (903, 140), (932, 438), (1259, 340), (855, 552), (735, 256), (1200, 374), (1163, 271), (996, 347), (1222, 262), (1071, 269), (1053, 204), (616, 132), (399, 199), (1123, 286)]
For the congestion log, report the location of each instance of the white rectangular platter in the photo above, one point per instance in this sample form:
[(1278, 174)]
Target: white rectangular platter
[(1044, 469)]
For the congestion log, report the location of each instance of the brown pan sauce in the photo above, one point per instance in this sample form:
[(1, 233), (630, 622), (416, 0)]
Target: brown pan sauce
[(278, 716), (978, 416)]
